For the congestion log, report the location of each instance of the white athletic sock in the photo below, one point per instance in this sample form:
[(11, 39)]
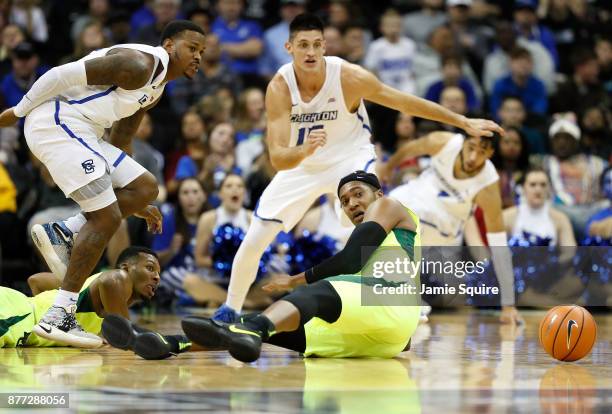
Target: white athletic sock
[(246, 262), (75, 223), (66, 298)]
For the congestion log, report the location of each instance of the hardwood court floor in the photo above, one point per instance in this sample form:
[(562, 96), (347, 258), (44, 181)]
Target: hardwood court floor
[(459, 363)]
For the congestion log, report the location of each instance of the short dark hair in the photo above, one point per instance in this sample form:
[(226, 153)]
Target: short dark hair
[(176, 27), (132, 252), (453, 57), (520, 53), (305, 22)]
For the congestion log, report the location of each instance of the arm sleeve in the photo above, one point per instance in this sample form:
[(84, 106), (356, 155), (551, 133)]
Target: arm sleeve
[(348, 260), (52, 84), (502, 263)]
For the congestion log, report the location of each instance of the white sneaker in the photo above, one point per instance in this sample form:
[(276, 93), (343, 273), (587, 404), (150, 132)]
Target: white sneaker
[(54, 241), (59, 325)]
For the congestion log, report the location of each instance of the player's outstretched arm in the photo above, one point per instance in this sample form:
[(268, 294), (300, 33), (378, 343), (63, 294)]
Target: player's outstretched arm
[(375, 91), (125, 68), (380, 218), (489, 199), (114, 293), (278, 109), (430, 144)]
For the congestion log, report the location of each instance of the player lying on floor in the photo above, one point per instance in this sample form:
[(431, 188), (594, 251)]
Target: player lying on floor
[(112, 291), (326, 317)]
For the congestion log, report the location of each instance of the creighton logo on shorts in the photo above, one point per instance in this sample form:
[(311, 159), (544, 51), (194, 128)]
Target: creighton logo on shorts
[(88, 166), (143, 99)]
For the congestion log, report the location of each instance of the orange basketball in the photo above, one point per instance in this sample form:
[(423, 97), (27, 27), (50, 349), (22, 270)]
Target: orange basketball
[(568, 332)]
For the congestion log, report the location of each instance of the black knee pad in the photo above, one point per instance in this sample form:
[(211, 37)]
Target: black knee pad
[(319, 300)]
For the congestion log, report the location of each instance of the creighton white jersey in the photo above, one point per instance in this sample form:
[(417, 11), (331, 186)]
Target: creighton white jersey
[(441, 200), (105, 104), (346, 132)]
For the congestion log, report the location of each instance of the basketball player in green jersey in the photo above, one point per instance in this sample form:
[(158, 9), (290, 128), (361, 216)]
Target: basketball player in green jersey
[(112, 291), (327, 317)]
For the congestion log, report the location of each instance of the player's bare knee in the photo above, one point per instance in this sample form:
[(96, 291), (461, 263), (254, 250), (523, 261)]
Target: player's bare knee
[(146, 187)]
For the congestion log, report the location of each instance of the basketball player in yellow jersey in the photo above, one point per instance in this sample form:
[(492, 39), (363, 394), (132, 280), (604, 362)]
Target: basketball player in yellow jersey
[(112, 291), (329, 317), (318, 131)]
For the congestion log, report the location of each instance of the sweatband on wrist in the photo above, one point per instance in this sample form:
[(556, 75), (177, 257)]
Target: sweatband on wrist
[(502, 263), (51, 84), (348, 260)]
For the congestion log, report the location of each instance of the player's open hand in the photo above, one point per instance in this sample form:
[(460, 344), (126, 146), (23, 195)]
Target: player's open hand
[(153, 218), (8, 118), (316, 138), (279, 282), (510, 315), (481, 127)]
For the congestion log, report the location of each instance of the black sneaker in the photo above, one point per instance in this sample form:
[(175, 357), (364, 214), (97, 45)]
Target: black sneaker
[(121, 333), (243, 343)]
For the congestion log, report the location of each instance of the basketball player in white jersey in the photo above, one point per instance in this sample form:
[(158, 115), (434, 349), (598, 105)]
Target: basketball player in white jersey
[(443, 196), (66, 112), (318, 132)]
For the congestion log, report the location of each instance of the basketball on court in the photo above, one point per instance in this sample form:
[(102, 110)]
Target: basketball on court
[(568, 332)]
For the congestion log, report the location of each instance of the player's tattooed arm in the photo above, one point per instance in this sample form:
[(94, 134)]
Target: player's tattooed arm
[(126, 68), (278, 109)]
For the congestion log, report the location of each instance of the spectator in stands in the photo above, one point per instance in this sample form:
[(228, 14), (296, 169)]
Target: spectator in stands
[(409, 168), (452, 75), (27, 14), (323, 221), (471, 37), (90, 38), (8, 210), (583, 89), (98, 12), (534, 220), (497, 61), (208, 286), (353, 37), (26, 69), (597, 132), (512, 114), (220, 160), (241, 40), (174, 246), (574, 175), (526, 24), (165, 11), (149, 157), (119, 27), (334, 45), (12, 35), (142, 17), (275, 55), (201, 17), (250, 127), (600, 223), (511, 159), (193, 146), (453, 98), (428, 62), (567, 24), (261, 175), (603, 49), (522, 83), (212, 76), (419, 24), (391, 56)]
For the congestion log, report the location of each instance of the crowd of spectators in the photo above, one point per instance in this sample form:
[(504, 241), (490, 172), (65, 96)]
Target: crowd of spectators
[(543, 70)]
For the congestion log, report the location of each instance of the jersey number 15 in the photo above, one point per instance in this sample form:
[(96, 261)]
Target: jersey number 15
[(303, 133)]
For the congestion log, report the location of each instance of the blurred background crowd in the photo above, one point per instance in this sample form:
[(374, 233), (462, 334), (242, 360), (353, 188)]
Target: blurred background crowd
[(542, 69)]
